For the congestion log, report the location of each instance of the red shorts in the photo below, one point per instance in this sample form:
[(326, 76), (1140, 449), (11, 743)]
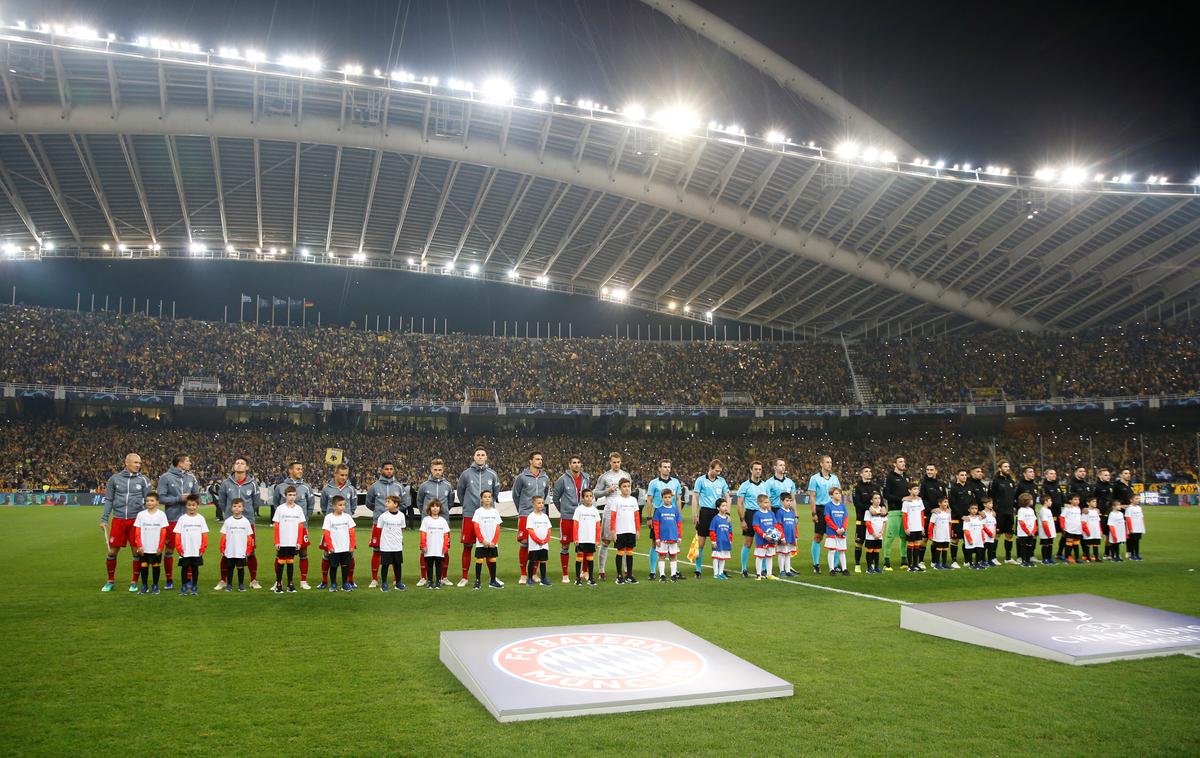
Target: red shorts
[(120, 532), (521, 536), (567, 531), (468, 532), (376, 531)]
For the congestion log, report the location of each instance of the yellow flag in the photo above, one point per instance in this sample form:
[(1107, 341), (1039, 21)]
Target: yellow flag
[(333, 456)]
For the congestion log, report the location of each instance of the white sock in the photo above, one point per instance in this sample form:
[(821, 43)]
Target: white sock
[(662, 568), (674, 567), (782, 560), (603, 561), (832, 560), (718, 566), (789, 564)]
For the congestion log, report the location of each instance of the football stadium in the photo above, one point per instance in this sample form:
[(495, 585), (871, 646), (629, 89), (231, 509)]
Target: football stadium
[(426, 378)]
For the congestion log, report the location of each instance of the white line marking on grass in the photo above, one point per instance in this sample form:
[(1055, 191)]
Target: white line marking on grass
[(789, 581)]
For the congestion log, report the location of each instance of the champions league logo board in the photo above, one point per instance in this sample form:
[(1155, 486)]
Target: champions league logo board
[(551, 672), (1077, 629)]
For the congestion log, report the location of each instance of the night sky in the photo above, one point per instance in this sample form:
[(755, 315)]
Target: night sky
[(1019, 84)]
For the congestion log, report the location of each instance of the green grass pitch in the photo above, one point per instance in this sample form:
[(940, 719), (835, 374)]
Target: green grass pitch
[(352, 674)]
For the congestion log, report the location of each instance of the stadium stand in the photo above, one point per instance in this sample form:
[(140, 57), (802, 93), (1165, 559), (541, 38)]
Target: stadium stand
[(58, 347)]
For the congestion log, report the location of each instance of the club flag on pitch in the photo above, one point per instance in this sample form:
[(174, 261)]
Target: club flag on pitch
[(694, 548), (333, 456)]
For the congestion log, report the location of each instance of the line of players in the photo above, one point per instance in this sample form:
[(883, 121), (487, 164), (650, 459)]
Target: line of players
[(769, 523)]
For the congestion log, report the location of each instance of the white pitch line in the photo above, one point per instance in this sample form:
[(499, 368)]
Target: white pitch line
[(791, 581)]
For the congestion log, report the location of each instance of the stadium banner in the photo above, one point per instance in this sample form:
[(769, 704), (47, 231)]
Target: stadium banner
[(1180, 402), (119, 396), (990, 409), (798, 412), (553, 672), (29, 498), (1078, 629), (346, 405), (925, 410), (200, 401)]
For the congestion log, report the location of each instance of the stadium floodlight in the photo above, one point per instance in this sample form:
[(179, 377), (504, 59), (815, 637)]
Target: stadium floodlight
[(1098, 178), (377, 73), (308, 63), (449, 267), (604, 291), (540, 96), (156, 247), (123, 248), (847, 150), (708, 314), (412, 261), (401, 75), (671, 305), (105, 247), (512, 273), (776, 137), (196, 248), (331, 253), (230, 249), (47, 245), (273, 251), (1072, 175), (10, 249), (870, 154), (677, 120), (360, 256), (887, 156), (304, 252), (1045, 174), (498, 90), (687, 309), (473, 269), (940, 164), (255, 56), (229, 52), (634, 112), (1196, 180), (619, 294), (352, 69)]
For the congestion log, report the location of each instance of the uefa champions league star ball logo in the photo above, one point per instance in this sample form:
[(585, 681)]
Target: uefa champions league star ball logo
[(599, 662), (1043, 611)]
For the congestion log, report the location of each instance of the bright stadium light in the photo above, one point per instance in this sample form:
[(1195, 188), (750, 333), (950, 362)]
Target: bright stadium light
[(708, 314), (308, 63), (671, 305), (1196, 180), (230, 249), (870, 154), (847, 150), (887, 156), (449, 267), (105, 247), (687, 309), (255, 56), (156, 247), (512, 273), (540, 96), (634, 112), (1045, 174), (498, 90), (47, 245), (304, 252), (331, 253), (677, 120), (229, 52), (352, 69), (604, 291), (618, 294), (1073, 175), (776, 137), (10, 249), (543, 280), (940, 164), (196, 248), (473, 269), (360, 256), (402, 76)]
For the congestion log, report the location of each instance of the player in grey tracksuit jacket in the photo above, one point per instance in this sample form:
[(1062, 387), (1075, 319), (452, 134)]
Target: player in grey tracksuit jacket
[(440, 489), (378, 493), (526, 487), (566, 499), (173, 488)]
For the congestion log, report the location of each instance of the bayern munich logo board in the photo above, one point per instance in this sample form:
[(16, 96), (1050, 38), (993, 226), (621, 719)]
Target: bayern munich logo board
[(1077, 629), (550, 672)]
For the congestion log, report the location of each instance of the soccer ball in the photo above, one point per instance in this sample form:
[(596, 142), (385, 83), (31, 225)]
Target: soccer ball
[(774, 535), (1043, 611)]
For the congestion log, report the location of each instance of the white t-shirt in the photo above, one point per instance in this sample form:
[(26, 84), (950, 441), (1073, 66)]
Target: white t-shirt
[(1093, 524), (587, 525), (1026, 522), (289, 525), (435, 531), (1046, 528), (339, 529), (989, 523), (626, 512), (913, 512), (391, 531), (150, 528), (237, 533), (878, 522), (939, 525), (191, 531), (972, 531), (1116, 526), (487, 524), (537, 527), (1072, 520), (1137, 521)]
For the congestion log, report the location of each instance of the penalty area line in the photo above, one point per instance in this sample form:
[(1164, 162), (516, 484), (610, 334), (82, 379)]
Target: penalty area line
[(706, 567)]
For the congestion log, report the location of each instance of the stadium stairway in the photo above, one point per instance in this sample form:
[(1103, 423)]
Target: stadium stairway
[(859, 385)]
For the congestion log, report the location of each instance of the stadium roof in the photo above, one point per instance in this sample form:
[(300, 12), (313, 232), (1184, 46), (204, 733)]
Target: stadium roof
[(115, 149)]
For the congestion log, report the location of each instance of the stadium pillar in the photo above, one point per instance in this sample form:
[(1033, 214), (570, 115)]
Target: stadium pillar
[(78, 296), (93, 306)]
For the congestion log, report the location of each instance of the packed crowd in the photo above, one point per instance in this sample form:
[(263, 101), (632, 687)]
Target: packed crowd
[(84, 455), (46, 346), (1131, 360)]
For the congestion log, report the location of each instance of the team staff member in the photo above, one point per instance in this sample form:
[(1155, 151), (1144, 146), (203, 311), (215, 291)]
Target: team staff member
[(747, 503), (932, 491), (568, 491), (124, 498), (174, 486), (708, 489), (239, 484), (895, 489), (961, 499), (654, 497), (608, 485), (1004, 501), (478, 478), (377, 496), (530, 483), (819, 486), (1123, 487), (864, 488)]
